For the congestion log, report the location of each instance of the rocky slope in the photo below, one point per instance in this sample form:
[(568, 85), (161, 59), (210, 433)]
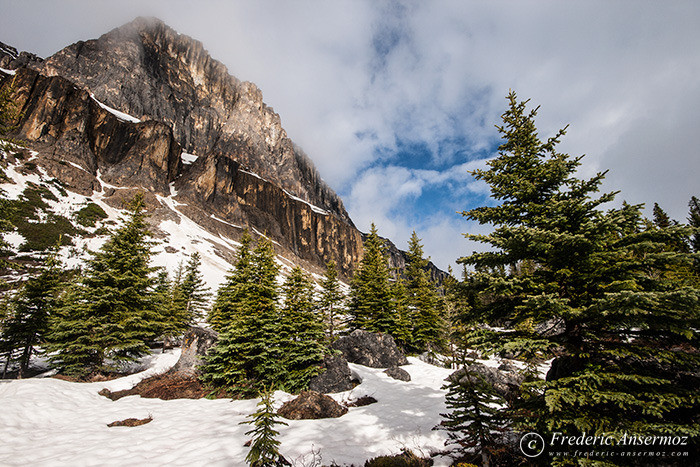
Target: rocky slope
[(185, 129)]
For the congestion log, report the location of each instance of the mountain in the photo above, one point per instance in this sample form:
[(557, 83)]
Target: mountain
[(143, 107)]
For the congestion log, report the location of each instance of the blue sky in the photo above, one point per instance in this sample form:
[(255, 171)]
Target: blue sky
[(396, 101)]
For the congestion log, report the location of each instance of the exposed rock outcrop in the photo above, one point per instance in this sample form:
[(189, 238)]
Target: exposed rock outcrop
[(148, 70), (195, 344), (375, 350), (335, 377), (398, 373), (311, 405), (505, 383), (84, 138)]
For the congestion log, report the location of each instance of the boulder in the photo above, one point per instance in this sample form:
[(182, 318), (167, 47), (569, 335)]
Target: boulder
[(195, 344), (311, 405), (505, 383), (376, 350), (398, 373), (336, 376)]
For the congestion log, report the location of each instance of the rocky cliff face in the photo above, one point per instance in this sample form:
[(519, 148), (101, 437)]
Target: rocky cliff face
[(241, 171), (148, 70), (90, 148)]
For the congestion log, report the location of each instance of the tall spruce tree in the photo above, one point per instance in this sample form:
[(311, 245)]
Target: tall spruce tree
[(628, 335), (109, 315), (426, 306), (232, 297), (249, 353), (192, 290), (30, 310), (331, 301), (302, 331), (371, 306)]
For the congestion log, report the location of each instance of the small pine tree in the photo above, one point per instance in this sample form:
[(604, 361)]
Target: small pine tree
[(694, 222), (475, 423), (302, 331), (661, 219), (264, 447), (400, 305), (110, 313), (331, 301), (371, 306)]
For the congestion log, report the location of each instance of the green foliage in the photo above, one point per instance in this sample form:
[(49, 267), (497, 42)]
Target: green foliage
[(262, 344), (190, 293), (232, 297), (29, 215), (302, 331), (264, 447), (111, 312), (476, 420), (331, 301), (29, 311), (249, 353), (427, 312), (90, 215), (371, 304), (609, 279)]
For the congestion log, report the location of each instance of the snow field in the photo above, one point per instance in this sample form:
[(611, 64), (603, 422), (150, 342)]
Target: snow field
[(50, 422)]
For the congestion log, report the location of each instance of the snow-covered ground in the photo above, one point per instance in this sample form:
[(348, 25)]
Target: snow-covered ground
[(46, 421)]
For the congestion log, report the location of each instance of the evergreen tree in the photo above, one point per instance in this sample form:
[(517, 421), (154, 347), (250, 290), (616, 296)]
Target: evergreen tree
[(661, 219), (371, 305), (475, 422), (400, 305), (331, 300), (302, 331), (428, 322), (264, 447), (249, 353), (232, 296), (192, 291), (30, 310), (110, 313), (694, 221), (629, 329)]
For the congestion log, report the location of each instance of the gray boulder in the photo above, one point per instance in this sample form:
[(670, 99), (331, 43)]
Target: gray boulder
[(311, 405), (195, 344), (376, 350), (336, 376), (398, 373), (505, 383)]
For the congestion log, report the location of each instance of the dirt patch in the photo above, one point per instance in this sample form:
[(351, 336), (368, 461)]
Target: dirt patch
[(131, 422), (166, 387)]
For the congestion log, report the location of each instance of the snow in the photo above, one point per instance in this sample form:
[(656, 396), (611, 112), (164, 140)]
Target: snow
[(46, 421), (8, 72), (120, 115), (188, 159)]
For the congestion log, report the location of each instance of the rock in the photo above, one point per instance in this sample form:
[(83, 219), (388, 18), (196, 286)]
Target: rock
[(311, 405), (506, 383), (550, 328), (398, 373), (195, 344), (376, 350), (508, 367), (336, 376), (131, 422)]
